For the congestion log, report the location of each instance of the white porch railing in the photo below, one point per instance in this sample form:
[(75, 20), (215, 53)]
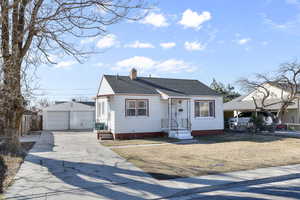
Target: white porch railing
[(179, 124)]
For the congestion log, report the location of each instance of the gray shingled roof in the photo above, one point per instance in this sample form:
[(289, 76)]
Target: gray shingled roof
[(88, 103), (147, 85)]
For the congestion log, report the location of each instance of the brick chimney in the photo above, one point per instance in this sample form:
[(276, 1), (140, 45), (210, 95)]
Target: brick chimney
[(133, 74)]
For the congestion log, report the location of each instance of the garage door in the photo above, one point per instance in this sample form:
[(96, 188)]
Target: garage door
[(57, 120), (82, 120)]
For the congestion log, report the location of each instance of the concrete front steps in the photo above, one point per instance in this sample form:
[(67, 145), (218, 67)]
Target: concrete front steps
[(180, 134), (104, 135)]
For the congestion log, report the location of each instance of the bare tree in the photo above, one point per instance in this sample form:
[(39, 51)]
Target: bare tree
[(43, 103), (286, 78), (259, 85), (36, 29)]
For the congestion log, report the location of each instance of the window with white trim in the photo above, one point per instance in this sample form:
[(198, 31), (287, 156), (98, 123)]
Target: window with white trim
[(103, 108), (136, 107), (205, 108), (99, 108)]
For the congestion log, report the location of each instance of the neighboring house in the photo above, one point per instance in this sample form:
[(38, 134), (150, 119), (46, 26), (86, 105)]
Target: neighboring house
[(136, 107), (245, 103), (69, 115)]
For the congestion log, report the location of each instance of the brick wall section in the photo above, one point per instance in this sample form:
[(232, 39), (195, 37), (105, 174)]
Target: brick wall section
[(126, 136), (207, 132)]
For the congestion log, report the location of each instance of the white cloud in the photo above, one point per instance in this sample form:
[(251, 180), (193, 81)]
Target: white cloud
[(293, 2), (157, 20), (138, 44), (58, 61), (275, 25), (289, 26), (168, 45), (64, 64), (146, 65), (100, 64), (108, 41), (175, 66), (191, 19), (53, 58), (243, 41), (88, 40), (194, 46), (139, 62)]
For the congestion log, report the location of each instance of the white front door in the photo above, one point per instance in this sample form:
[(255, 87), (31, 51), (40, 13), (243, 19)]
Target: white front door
[(179, 113)]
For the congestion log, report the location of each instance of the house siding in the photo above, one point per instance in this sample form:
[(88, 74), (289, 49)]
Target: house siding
[(208, 123), (139, 124), (119, 123), (292, 116), (108, 117)]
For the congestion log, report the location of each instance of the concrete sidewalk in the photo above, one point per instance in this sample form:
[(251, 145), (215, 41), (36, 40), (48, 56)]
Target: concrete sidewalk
[(287, 134), (73, 165)]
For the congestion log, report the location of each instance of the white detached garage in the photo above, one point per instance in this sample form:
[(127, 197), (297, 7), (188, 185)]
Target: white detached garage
[(68, 115)]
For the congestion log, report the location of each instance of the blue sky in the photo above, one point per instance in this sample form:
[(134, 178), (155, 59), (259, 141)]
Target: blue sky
[(196, 39)]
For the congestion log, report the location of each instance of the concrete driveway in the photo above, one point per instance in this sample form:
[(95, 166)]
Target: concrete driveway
[(73, 165)]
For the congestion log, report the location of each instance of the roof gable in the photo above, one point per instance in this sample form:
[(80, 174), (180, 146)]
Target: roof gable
[(275, 93), (104, 87), (246, 102)]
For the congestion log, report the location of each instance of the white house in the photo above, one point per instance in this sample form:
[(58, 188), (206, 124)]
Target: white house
[(136, 107), (69, 115), (245, 103)]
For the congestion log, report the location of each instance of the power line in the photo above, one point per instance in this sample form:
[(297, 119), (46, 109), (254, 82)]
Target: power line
[(45, 89), (90, 94)]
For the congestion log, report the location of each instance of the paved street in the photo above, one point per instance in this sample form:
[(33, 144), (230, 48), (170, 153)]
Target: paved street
[(73, 165)]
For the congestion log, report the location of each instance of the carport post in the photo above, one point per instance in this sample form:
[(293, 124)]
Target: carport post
[(298, 110), (237, 119), (69, 120)]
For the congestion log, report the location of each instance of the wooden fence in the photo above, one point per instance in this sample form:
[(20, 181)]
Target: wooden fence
[(30, 123)]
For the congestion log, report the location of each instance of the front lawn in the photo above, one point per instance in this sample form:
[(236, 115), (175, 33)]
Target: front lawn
[(214, 154), (158, 140)]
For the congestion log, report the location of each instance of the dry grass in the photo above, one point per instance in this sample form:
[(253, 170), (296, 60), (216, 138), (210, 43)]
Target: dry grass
[(13, 163), (216, 154), (158, 140)]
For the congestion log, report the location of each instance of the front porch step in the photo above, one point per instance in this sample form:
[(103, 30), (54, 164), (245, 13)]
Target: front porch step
[(104, 135), (180, 134)]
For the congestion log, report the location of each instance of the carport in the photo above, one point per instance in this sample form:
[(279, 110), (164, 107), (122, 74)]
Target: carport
[(238, 105)]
